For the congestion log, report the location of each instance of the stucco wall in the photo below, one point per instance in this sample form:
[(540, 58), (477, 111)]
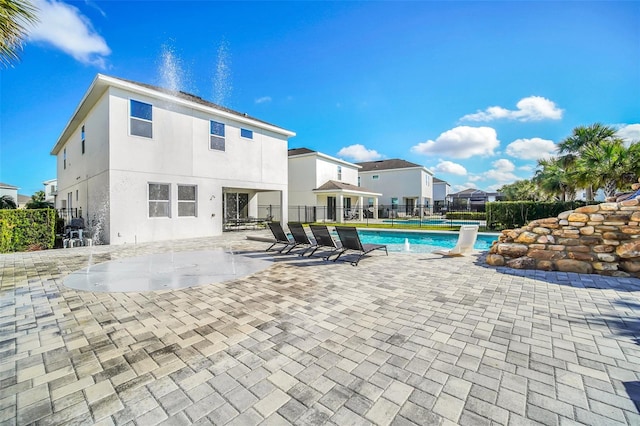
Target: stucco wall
[(602, 239), (399, 183)]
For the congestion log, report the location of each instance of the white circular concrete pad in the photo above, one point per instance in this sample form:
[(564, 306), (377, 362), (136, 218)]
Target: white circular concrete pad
[(165, 271)]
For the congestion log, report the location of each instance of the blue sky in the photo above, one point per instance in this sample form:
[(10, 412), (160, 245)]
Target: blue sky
[(475, 91)]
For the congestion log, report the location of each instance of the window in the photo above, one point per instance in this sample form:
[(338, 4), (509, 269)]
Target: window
[(159, 200), (82, 138), (64, 158), (246, 133), (375, 177), (216, 139), (370, 202), (187, 200), (427, 179), (141, 119), (339, 172), (77, 195), (394, 204), (358, 180)]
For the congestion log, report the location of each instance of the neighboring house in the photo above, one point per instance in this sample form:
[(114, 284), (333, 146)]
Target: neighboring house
[(472, 199), (441, 191), (407, 188), (50, 190), (322, 188), (144, 163), (9, 190), (581, 194), (23, 200)]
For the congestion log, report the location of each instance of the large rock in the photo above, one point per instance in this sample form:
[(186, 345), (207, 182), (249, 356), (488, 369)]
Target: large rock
[(587, 209), (527, 238), (512, 250), (546, 254), (495, 260), (630, 266), (522, 263), (571, 265), (578, 217), (629, 250)]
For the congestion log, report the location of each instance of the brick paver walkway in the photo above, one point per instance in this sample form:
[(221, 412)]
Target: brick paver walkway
[(403, 339)]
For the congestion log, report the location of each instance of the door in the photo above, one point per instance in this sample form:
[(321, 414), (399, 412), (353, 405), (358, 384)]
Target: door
[(236, 206), (331, 208)]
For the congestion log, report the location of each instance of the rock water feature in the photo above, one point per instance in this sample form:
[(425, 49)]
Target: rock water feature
[(599, 239)]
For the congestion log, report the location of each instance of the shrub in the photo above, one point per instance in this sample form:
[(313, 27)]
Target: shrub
[(466, 216), (22, 230), (514, 214)]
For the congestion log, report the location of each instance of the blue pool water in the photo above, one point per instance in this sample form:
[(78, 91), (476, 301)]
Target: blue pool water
[(425, 222), (420, 242)]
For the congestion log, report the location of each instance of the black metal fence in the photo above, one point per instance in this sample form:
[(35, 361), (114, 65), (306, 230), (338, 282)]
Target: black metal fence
[(397, 215)]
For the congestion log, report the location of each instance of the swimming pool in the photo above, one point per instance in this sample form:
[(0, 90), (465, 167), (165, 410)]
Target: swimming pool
[(425, 222), (420, 242)]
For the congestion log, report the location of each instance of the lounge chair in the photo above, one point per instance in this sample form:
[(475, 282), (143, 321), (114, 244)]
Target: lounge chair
[(281, 238), (466, 240), (351, 242), (323, 239), (300, 237)]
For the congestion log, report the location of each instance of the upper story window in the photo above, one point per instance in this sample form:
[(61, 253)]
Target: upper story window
[(375, 177), (141, 122), (246, 133), (428, 180), (216, 137), (82, 138), (159, 200), (187, 200), (64, 158), (358, 180), (339, 172)]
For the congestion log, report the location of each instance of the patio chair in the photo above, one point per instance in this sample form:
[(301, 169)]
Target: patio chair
[(281, 238), (351, 242), (300, 237), (466, 240), (323, 239)]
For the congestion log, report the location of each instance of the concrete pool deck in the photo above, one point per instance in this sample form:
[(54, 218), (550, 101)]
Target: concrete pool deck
[(411, 338)]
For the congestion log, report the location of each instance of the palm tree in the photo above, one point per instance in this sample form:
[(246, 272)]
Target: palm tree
[(15, 16), (571, 149), (611, 164), (552, 178), (522, 190), (38, 201), (7, 202)]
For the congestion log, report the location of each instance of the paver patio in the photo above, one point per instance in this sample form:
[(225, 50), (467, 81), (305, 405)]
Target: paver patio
[(403, 339)]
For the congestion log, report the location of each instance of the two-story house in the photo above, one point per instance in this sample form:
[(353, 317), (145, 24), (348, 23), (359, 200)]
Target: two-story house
[(441, 191), (407, 188), (50, 190), (324, 188), (146, 164)]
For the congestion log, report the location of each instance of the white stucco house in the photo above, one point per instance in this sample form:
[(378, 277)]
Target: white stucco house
[(441, 191), (407, 188), (9, 191), (50, 190), (146, 164), (324, 188)]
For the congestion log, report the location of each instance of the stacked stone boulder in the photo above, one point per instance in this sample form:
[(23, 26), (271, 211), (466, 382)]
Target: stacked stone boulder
[(602, 239)]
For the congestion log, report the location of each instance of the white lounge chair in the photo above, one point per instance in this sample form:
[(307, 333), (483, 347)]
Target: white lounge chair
[(466, 240)]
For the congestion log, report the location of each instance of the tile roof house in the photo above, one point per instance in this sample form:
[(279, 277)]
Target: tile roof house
[(144, 163), (324, 188), (406, 187)]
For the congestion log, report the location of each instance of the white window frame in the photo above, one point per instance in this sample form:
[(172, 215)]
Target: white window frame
[(246, 130), (222, 137), (149, 200), (375, 177), (131, 118), (194, 201), (339, 172)]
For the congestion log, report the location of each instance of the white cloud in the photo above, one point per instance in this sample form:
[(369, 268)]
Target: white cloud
[(532, 149), (474, 178), (450, 167), (263, 100), (526, 168), (504, 165), (358, 153), (458, 188), (66, 28), (461, 142), (533, 108), (629, 132)]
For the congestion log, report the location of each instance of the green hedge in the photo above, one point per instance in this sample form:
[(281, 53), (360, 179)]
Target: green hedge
[(28, 229), (514, 214), (466, 215)]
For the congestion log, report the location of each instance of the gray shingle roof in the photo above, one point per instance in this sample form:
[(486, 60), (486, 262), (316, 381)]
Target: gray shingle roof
[(298, 151), (334, 185), (394, 163)]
